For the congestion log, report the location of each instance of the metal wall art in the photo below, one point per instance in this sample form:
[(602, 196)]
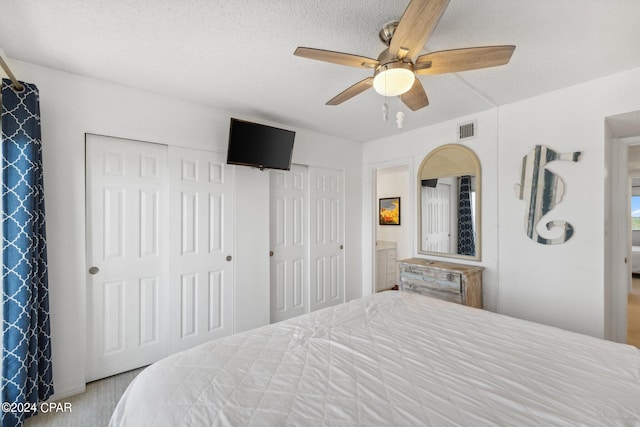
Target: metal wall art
[(542, 189)]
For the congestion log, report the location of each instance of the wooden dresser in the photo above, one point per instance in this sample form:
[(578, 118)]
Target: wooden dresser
[(457, 283)]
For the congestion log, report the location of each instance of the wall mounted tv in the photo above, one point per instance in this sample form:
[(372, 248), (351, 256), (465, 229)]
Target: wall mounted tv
[(260, 146)]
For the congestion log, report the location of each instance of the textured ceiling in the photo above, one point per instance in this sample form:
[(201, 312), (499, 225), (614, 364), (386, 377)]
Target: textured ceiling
[(237, 55)]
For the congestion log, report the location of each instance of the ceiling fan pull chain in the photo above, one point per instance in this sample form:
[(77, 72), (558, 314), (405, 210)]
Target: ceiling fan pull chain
[(400, 119), (400, 115)]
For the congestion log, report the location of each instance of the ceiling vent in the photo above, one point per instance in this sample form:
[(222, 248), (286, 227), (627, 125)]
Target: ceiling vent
[(467, 130)]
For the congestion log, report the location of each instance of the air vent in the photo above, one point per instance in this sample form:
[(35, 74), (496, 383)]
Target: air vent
[(467, 130)]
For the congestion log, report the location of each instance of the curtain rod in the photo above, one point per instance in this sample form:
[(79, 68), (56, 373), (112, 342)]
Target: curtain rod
[(16, 84)]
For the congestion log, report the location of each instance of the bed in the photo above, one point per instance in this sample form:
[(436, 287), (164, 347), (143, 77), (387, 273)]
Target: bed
[(392, 358), (635, 260)]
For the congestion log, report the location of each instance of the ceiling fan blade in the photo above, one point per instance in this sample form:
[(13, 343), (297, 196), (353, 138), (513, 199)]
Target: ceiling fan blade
[(415, 27), (416, 97), (473, 58), (354, 90), (336, 57)]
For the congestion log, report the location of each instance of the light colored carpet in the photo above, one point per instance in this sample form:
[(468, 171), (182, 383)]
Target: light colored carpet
[(93, 408)]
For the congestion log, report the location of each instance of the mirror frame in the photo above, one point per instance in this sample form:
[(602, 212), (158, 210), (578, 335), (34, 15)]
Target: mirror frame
[(447, 161)]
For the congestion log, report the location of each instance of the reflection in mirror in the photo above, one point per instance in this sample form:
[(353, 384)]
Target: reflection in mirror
[(449, 215), (448, 203)]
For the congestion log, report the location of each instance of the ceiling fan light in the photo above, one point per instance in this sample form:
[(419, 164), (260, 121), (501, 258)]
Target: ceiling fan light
[(393, 79)]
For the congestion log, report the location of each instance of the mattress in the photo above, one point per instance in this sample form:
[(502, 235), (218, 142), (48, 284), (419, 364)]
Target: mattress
[(635, 259), (392, 358)]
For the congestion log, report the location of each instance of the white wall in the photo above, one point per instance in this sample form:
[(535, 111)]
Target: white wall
[(72, 105), (562, 285), (394, 182)]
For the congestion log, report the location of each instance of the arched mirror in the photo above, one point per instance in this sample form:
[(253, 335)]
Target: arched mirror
[(449, 203)]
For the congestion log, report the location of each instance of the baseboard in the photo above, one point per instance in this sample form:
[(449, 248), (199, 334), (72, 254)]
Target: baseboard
[(67, 393)]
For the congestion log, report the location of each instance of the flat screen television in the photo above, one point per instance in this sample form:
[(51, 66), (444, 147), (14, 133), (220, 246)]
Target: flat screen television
[(260, 146)]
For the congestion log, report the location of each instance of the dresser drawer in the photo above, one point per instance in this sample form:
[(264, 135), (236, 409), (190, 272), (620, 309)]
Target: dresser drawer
[(423, 290), (441, 281)]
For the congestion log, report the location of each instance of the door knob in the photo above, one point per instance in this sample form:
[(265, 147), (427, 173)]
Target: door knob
[(270, 253), (229, 258), (94, 270), (341, 246)]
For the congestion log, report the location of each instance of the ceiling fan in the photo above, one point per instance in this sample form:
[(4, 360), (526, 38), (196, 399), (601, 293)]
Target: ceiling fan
[(396, 68)]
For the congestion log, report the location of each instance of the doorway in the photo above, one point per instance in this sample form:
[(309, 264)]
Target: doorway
[(392, 242), (623, 163), (633, 297)]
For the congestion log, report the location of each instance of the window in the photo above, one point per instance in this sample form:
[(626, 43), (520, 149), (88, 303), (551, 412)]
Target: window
[(635, 212)]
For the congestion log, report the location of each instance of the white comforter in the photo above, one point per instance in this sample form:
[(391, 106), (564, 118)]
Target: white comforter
[(635, 259), (392, 359)]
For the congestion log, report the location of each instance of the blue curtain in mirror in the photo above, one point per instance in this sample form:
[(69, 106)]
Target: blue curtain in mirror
[(26, 341), (466, 239)]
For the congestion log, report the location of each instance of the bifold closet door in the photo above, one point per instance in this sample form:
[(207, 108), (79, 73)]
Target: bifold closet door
[(289, 219), (160, 247), (326, 249), (127, 219), (201, 214)]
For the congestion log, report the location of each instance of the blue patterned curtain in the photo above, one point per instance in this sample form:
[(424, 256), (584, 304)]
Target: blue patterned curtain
[(466, 239), (26, 342)]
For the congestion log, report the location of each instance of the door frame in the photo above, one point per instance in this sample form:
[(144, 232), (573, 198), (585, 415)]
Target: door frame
[(617, 240), (369, 263)]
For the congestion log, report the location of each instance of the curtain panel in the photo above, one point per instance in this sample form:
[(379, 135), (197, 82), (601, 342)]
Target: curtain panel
[(466, 233), (26, 340)]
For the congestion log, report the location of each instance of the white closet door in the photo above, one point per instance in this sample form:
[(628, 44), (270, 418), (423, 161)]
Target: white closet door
[(327, 236), (289, 248), (127, 218), (201, 295)]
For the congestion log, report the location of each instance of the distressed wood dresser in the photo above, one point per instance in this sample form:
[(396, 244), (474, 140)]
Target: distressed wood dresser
[(457, 283)]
